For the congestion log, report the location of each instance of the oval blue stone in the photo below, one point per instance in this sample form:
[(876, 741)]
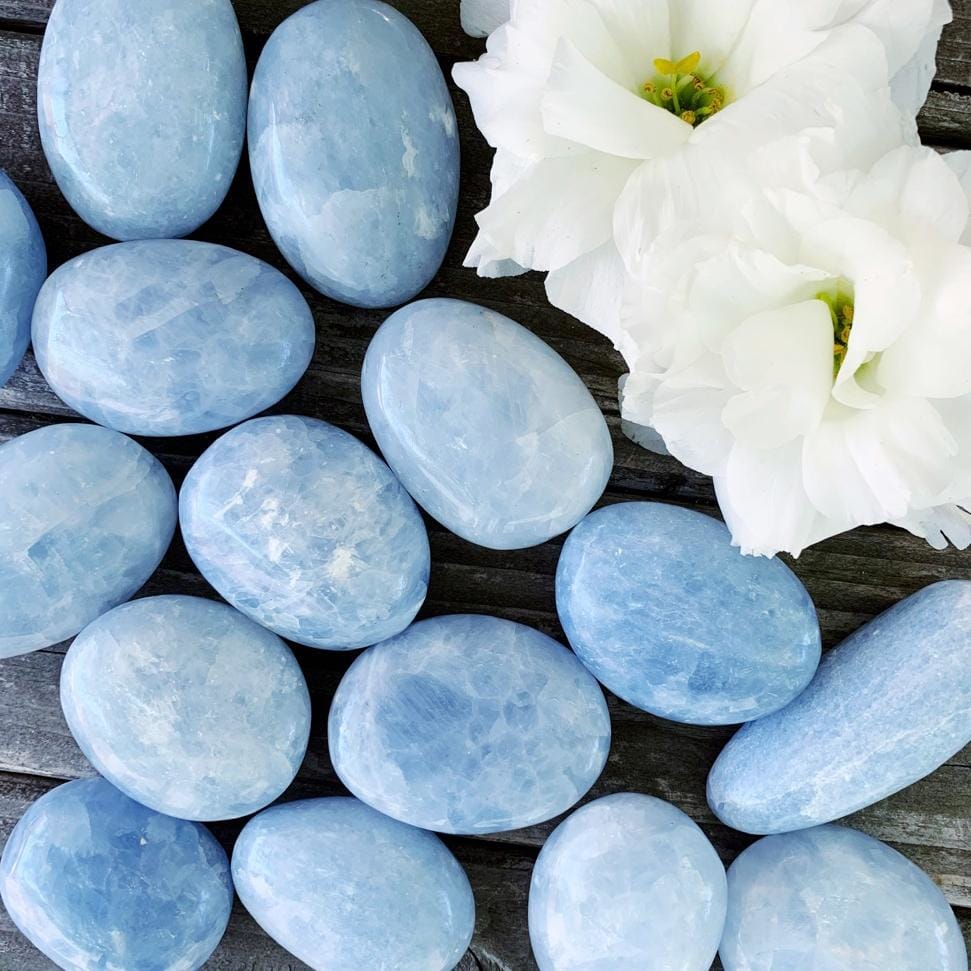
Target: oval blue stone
[(344, 888), (354, 151), (187, 706), (171, 337), (469, 724), (86, 516), (886, 707), (487, 427), (100, 883), (142, 111), (666, 613)]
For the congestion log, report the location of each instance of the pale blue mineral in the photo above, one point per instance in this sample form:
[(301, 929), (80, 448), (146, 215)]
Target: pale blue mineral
[(628, 881), (187, 706), (142, 111), (354, 151), (305, 530), (660, 606), (23, 265), (86, 516), (886, 708), (344, 888), (832, 899), (171, 337), (469, 724), (100, 883), (487, 426)]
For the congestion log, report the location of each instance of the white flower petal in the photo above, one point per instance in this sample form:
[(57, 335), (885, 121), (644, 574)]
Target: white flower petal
[(643, 435), (710, 26), (481, 17), (590, 289), (912, 81), (960, 164), (641, 30), (940, 525)]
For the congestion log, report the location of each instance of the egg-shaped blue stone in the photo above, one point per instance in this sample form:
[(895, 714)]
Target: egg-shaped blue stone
[(23, 266), (304, 529), (171, 337), (627, 881), (142, 111), (100, 883), (487, 426), (354, 151), (888, 706), (660, 606), (469, 724), (86, 516), (831, 898), (344, 888), (187, 706)]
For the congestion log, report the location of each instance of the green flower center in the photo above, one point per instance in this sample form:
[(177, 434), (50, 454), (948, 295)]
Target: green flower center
[(840, 303), (680, 88)]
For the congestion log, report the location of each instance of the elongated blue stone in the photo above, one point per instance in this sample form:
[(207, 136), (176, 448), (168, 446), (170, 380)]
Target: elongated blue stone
[(86, 515), (663, 610), (305, 530), (187, 706), (142, 111), (886, 708), (831, 897), (354, 151), (171, 337), (469, 724), (345, 888), (627, 881), (100, 883), (488, 427)]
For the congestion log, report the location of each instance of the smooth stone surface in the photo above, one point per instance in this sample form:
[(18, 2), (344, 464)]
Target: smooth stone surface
[(488, 427), (832, 899), (86, 516), (354, 150), (187, 706), (469, 724), (142, 110), (171, 337), (666, 613), (886, 708), (627, 881), (23, 266), (305, 530), (357, 890), (100, 883)]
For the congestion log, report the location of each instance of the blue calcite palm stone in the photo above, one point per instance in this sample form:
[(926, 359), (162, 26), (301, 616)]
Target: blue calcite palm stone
[(345, 888), (171, 337), (142, 111), (354, 151), (100, 883), (487, 426), (86, 516), (305, 530), (831, 898), (627, 881), (469, 724), (665, 612), (187, 706), (886, 708)]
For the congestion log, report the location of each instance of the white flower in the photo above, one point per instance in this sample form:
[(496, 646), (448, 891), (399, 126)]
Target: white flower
[(481, 17)]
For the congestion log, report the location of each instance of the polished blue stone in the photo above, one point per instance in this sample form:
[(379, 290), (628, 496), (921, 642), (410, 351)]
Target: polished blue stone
[(171, 337), (627, 881), (23, 266), (886, 708), (142, 110), (831, 898), (86, 515), (100, 883), (345, 888), (488, 427), (187, 706), (660, 606), (469, 724), (305, 530), (354, 150)]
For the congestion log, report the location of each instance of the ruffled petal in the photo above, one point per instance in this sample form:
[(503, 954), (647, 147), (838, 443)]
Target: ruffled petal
[(481, 17), (960, 164), (591, 289)]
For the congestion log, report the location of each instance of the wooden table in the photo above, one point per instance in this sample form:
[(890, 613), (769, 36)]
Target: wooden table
[(851, 577)]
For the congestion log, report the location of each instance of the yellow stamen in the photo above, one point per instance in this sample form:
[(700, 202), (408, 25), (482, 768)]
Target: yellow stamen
[(687, 64), (663, 66), (648, 87), (689, 117), (667, 94)]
